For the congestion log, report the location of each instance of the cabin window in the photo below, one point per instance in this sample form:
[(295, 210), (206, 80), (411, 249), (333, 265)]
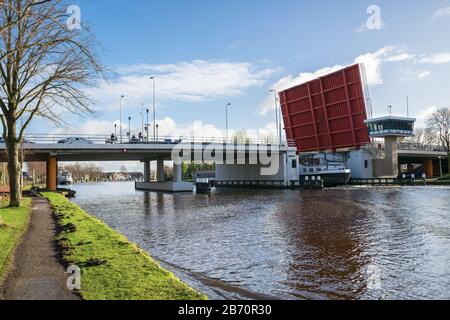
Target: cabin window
[(294, 164)]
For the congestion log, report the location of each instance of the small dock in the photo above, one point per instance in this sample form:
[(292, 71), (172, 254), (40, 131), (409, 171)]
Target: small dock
[(388, 182), (275, 184)]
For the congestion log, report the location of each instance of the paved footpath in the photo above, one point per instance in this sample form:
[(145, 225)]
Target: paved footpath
[(37, 273)]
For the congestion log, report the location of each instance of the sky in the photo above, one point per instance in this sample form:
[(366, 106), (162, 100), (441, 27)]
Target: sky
[(206, 54)]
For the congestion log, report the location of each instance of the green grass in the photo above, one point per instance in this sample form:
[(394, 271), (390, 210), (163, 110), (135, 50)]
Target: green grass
[(439, 183), (445, 178), (13, 223), (112, 268)]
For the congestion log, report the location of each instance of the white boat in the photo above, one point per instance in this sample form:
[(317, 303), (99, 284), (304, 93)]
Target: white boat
[(65, 178), (328, 167)]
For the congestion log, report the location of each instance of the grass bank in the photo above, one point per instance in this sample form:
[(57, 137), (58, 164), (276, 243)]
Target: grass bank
[(13, 223), (439, 183), (112, 267)]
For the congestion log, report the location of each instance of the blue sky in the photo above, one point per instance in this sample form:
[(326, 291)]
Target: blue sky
[(205, 54)]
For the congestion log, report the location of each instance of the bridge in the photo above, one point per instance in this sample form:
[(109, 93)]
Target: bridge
[(433, 158), (230, 156), (242, 167)]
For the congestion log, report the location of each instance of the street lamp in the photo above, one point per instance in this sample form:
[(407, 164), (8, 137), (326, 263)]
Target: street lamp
[(148, 129), (115, 130), (276, 116), (120, 124), (129, 129), (226, 119), (157, 136), (142, 118), (154, 108)]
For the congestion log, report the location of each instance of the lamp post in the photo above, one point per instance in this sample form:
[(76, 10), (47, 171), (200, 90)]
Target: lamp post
[(148, 129), (154, 108), (120, 120), (276, 116), (226, 119), (157, 136), (115, 130), (142, 118), (129, 129)]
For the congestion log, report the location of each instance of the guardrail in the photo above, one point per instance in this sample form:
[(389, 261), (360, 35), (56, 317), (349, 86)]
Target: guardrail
[(418, 147), (106, 139), (408, 147)]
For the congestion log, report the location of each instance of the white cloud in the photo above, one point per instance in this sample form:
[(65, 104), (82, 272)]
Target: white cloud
[(168, 127), (436, 58), (424, 74), (194, 81), (442, 12), (408, 74), (423, 115)]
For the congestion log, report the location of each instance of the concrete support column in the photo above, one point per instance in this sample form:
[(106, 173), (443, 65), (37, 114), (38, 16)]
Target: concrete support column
[(147, 171), (160, 170), (177, 173), (391, 144), (52, 173), (429, 168)]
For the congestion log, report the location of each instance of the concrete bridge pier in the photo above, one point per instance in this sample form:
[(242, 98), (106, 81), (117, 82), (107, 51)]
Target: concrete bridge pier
[(176, 185), (160, 176), (52, 173), (177, 173), (429, 170), (147, 176)]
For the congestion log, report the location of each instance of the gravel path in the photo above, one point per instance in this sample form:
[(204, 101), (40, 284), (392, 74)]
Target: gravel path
[(37, 272)]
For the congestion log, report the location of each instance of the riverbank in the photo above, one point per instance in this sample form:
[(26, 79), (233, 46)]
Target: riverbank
[(13, 223), (112, 267)]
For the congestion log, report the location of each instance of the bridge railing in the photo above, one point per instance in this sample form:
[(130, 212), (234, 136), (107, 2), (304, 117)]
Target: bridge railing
[(106, 139), (421, 147), (407, 147)]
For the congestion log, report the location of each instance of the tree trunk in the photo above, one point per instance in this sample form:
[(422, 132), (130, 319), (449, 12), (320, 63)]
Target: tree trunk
[(448, 160), (14, 173)]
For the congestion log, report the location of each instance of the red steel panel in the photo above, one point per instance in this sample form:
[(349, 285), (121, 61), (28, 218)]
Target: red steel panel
[(327, 113)]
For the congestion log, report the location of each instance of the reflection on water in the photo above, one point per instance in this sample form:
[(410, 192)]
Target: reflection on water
[(350, 243)]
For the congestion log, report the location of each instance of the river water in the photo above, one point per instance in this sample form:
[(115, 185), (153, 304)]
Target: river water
[(345, 243)]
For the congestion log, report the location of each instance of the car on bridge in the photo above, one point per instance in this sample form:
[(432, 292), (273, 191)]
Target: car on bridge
[(75, 140), (23, 141)]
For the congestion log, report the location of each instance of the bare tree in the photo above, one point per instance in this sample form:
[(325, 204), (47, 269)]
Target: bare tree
[(241, 136), (44, 67), (439, 122), (423, 138), (81, 172)]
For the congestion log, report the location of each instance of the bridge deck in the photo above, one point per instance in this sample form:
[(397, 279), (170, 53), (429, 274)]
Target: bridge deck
[(129, 152)]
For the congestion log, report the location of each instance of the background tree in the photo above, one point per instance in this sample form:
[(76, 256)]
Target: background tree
[(439, 123), (423, 138), (241, 136), (44, 66), (84, 172)]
